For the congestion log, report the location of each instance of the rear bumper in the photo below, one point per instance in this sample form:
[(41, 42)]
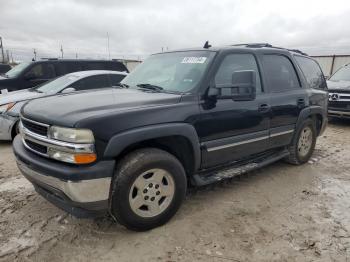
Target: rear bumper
[(80, 190), (6, 124)]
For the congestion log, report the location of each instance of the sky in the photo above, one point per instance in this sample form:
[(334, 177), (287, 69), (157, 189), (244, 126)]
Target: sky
[(137, 28)]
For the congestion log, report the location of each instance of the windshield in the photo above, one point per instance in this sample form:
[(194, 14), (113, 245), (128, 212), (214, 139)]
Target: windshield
[(343, 74), (17, 70), (56, 85), (176, 72)]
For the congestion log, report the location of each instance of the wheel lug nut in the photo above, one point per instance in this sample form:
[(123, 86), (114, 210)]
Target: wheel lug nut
[(145, 191), (157, 186), (157, 193), (152, 198), (146, 197), (150, 185)]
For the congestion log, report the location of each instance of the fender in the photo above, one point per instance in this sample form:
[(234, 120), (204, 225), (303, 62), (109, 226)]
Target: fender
[(122, 140), (312, 110)]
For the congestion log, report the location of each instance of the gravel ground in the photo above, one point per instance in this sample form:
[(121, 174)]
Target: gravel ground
[(279, 213)]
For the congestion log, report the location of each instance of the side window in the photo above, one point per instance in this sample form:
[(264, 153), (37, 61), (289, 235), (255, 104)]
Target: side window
[(94, 66), (312, 72), (42, 71), (115, 79), (71, 67), (280, 73), (92, 82), (115, 66), (233, 63)]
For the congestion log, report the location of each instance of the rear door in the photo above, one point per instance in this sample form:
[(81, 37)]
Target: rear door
[(287, 97)]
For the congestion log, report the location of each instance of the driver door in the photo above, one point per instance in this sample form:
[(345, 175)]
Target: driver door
[(232, 130)]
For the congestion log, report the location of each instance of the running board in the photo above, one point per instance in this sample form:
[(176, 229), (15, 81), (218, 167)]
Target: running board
[(208, 177)]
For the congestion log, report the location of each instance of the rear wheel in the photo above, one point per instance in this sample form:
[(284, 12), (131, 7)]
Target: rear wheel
[(303, 143), (148, 188)]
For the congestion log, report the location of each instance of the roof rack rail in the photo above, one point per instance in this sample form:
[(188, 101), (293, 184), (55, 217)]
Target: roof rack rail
[(49, 58), (259, 45), (254, 45)]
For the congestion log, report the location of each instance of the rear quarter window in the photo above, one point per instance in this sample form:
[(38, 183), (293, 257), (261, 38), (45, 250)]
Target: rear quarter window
[(312, 72)]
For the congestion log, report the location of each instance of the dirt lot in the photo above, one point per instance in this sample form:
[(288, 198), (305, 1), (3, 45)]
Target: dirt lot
[(279, 213)]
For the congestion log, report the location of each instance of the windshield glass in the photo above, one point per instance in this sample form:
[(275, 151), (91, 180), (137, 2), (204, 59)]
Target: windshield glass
[(56, 85), (17, 70), (177, 71), (343, 74)]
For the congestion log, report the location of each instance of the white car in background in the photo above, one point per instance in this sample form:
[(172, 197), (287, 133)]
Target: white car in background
[(11, 103)]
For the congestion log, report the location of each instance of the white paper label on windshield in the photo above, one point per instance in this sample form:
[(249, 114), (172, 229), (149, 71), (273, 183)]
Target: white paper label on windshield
[(194, 60)]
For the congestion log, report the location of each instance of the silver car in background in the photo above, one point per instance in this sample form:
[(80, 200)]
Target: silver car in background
[(11, 103)]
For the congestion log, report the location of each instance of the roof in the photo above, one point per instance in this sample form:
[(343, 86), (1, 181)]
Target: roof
[(96, 72), (74, 60)]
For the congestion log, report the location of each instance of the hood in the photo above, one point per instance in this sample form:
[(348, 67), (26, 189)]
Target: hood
[(18, 96), (338, 85), (68, 109)]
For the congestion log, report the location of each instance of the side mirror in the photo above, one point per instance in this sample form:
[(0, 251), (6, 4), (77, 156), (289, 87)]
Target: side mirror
[(242, 87), (68, 90), (29, 76)]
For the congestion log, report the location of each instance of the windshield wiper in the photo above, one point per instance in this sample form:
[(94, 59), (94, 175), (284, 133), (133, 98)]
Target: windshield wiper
[(151, 87), (122, 85)]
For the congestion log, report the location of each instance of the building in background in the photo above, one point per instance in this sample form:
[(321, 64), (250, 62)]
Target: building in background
[(129, 63), (331, 63)]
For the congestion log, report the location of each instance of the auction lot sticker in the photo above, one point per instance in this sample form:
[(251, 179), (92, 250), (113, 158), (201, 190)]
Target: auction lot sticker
[(194, 60)]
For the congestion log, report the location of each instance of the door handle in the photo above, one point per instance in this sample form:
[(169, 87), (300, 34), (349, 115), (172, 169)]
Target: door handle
[(264, 108), (301, 102)]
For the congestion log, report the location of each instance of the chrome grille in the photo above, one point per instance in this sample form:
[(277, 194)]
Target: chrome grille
[(35, 127)]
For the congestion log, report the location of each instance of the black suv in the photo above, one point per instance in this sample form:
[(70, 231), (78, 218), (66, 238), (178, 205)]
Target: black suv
[(30, 74), (339, 93), (183, 118)]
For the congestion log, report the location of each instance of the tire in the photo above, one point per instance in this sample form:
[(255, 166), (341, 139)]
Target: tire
[(15, 130), (148, 188), (301, 151)]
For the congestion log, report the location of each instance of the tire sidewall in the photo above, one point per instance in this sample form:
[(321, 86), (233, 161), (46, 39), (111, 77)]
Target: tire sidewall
[(306, 123), (125, 177)]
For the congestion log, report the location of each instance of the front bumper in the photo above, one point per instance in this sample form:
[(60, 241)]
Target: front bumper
[(338, 113), (7, 122), (80, 190)]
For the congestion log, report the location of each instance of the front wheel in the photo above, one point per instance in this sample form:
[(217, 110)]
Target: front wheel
[(303, 143), (148, 188)]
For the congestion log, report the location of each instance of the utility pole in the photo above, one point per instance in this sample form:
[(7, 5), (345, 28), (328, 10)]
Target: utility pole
[(109, 52), (34, 54), (11, 58), (61, 51), (76, 55), (2, 50)]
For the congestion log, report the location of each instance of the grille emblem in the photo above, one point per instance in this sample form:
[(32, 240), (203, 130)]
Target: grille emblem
[(334, 97)]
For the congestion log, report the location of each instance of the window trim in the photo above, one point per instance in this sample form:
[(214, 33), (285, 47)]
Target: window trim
[(294, 67), (241, 53)]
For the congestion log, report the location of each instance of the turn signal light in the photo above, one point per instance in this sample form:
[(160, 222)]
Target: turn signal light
[(84, 158)]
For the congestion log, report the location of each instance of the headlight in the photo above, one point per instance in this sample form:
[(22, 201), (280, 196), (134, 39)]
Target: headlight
[(6, 107), (71, 135)]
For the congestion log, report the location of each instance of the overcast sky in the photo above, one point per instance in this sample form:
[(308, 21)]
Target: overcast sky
[(140, 27)]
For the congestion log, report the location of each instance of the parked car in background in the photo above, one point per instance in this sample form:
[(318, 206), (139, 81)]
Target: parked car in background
[(188, 117), (30, 74), (4, 68), (339, 93), (11, 103)]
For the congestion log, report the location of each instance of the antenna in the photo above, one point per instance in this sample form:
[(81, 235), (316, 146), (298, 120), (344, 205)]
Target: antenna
[(61, 51), (34, 51), (206, 45), (109, 53)]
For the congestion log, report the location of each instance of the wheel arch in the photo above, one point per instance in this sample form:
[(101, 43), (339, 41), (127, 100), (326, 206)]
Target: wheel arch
[(179, 139), (314, 112)]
